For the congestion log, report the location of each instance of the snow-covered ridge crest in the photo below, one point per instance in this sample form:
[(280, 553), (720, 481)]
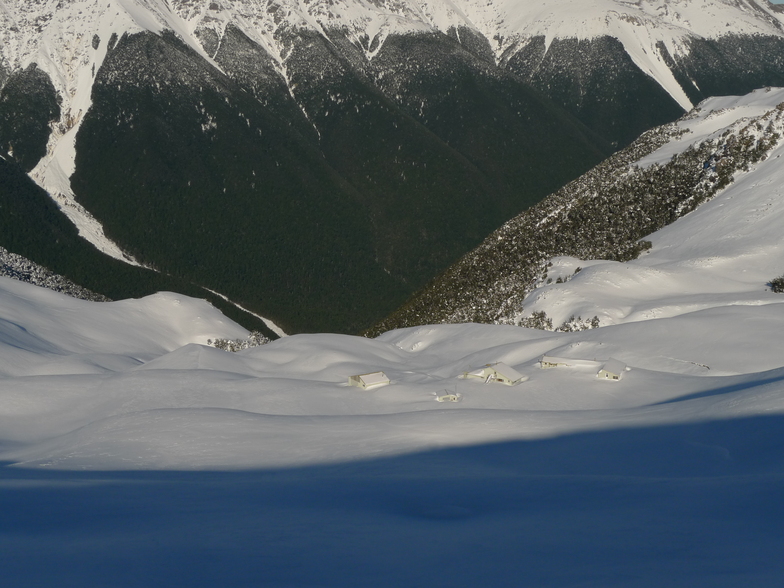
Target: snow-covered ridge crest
[(41, 31), (510, 20), (723, 254), (59, 36), (644, 27), (367, 24)]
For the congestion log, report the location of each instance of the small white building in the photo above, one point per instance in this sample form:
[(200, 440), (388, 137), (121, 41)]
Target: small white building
[(549, 362), (497, 372), (448, 396), (612, 370), (367, 381)]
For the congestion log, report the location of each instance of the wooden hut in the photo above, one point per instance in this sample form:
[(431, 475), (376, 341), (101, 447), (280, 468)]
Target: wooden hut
[(497, 372), (612, 370), (367, 381)]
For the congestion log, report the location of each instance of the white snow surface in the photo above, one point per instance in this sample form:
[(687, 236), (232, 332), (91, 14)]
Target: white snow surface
[(130, 385), (710, 118)]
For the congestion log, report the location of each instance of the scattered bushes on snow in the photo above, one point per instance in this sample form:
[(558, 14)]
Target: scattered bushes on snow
[(538, 320), (22, 269), (578, 324), (777, 285), (254, 340)]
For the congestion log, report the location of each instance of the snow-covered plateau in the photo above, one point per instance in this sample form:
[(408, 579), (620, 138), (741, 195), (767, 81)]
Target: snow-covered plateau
[(138, 456)]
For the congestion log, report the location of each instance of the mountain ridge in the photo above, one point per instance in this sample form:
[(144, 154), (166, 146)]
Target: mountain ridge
[(605, 214), (426, 130)]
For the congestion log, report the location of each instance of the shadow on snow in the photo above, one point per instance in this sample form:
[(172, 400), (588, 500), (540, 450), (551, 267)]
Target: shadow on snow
[(686, 505)]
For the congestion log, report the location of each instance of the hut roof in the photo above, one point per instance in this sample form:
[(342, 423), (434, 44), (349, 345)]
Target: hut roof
[(614, 366), (374, 378), (507, 371)]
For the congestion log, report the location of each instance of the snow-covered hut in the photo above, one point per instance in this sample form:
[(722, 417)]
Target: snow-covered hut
[(548, 361), (371, 380), (448, 396), (612, 370), (497, 372)]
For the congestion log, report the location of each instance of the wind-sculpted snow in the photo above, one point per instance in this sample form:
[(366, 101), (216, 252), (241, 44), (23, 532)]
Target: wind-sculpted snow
[(130, 384), (43, 329), (135, 455)]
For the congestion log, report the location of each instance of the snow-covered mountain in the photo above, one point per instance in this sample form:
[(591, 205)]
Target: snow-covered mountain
[(60, 36), (659, 36), (541, 268), (331, 143), (599, 58), (133, 454), (655, 34)]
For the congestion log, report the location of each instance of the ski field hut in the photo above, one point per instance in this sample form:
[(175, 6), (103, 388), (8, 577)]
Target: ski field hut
[(612, 370), (497, 372), (548, 362), (367, 381), (448, 396)]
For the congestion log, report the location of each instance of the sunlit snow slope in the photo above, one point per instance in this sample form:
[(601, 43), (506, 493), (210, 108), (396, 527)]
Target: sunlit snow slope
[(721, 256), (118, 385)]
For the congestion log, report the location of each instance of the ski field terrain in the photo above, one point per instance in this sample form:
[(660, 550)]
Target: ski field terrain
[(299, 157), (137, 455)]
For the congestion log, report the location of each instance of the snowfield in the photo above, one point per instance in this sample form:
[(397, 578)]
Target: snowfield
[(135, 455), (127, 385)]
